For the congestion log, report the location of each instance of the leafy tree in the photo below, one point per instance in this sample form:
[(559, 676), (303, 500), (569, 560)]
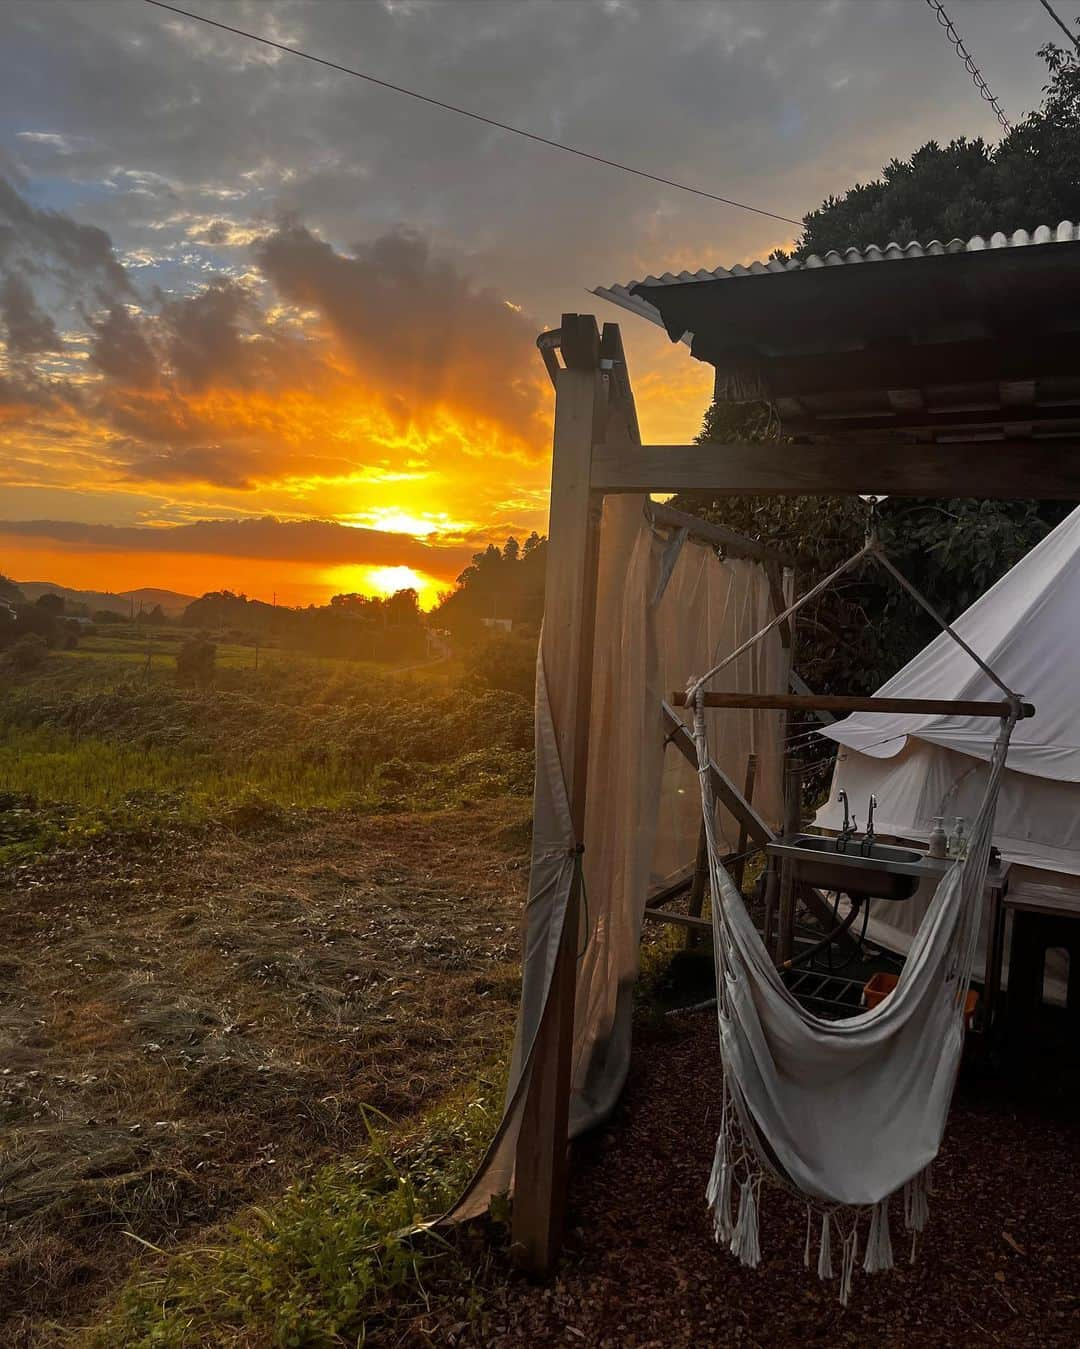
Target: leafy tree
[(499, 583), (32, 619), (50, 603), (862, 630), (1031, 177), (10, 591)]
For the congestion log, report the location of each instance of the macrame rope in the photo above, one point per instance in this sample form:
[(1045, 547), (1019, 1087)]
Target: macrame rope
[(880, 556)]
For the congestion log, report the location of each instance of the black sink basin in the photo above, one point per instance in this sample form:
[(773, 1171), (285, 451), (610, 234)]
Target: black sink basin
[(882, 872)]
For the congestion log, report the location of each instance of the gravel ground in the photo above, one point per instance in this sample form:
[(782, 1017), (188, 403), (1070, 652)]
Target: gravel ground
[(998, 1264)]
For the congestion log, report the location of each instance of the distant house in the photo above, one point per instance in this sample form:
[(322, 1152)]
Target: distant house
[(501, 624)]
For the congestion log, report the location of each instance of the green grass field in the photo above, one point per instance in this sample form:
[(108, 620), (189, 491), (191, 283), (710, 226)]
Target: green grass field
[(103, 737)]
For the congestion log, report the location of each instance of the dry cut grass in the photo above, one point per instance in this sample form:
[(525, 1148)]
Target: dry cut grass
[(188, 1026)]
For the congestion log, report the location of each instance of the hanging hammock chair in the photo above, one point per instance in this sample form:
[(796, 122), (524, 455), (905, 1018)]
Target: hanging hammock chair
[(848, 1115)]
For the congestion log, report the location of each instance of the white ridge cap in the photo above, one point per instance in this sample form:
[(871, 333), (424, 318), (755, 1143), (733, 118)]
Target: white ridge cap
[(1065, 232)]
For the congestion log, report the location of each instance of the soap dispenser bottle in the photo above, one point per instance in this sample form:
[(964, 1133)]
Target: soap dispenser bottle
[(958, 844), (939, 843)]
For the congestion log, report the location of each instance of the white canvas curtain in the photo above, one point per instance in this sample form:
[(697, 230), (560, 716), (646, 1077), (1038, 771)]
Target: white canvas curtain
[(666, 605)]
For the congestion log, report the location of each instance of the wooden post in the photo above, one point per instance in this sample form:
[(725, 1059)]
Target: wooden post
[(792, 825), (696, 901), (569, 615), (739, 865), (772, 886)]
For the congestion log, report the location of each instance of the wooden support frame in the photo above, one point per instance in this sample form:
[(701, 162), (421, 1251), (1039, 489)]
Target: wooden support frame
[(727, 794), (738, 868), (793, 782), (826, 702), (1047, 468), (580, 419), (597, 452), (724, 540)]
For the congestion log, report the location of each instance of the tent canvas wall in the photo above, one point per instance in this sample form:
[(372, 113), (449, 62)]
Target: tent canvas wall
[(667, 605), (1025, 626)]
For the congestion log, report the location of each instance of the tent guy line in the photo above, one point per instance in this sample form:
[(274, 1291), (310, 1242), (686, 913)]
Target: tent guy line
[(466, 112)]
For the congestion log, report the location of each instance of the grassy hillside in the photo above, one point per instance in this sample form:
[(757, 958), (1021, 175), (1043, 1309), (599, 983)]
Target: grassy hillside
[(104, 738), (243, 924)]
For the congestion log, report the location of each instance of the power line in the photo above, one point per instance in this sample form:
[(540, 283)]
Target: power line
[(969, 64), (465, 112), (1067, 31)]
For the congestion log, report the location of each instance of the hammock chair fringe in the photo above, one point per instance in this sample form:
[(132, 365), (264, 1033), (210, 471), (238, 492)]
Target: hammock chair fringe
[(744, 1240), (879, 1254), (847, 1263), (824, 1264)]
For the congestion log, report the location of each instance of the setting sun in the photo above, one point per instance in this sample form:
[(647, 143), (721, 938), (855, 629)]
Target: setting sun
[(385, 581)]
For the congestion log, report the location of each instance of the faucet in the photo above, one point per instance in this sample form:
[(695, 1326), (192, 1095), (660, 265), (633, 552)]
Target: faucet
[(850, 826), (866, 847)]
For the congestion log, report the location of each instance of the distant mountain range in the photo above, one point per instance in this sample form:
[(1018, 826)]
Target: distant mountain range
[(124, 602)]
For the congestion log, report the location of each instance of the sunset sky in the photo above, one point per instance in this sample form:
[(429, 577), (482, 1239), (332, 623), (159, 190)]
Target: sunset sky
[(267, 327)]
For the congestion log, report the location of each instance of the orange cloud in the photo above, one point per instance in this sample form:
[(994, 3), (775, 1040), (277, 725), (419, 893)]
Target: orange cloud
[(381, 387)]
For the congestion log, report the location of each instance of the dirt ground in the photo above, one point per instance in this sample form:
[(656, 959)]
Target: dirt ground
[(999, 1263), (185, 1027)]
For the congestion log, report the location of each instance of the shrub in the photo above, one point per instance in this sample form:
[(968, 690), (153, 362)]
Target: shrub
[(27, 652), (505, 661), (196, 661)]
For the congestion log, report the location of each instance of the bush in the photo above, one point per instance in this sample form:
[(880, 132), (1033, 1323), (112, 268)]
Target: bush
[(27, 652), (505, 661), (196, 661)]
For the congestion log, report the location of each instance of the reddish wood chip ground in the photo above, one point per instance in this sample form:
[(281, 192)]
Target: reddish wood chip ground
[(998, 1264)]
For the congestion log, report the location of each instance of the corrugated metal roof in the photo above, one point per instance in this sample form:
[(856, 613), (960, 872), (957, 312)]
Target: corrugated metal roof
[(1066, 232)]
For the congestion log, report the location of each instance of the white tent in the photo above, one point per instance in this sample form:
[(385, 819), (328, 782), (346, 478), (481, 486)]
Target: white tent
[(1026, 627)]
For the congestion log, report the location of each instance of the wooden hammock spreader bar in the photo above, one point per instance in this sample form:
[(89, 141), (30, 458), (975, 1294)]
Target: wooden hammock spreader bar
[(824, 702)]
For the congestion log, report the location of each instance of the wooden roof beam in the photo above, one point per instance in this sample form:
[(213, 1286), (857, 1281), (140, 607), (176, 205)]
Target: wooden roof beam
[(930, 419), (1047, 469), (716, 536), (1029, 356)]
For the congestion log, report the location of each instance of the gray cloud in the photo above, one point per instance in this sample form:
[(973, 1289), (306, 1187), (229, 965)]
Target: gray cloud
[(203, 333), (318, 541), (76, 255), (224, 467), (121, 348), (29, 329), (165, 144), (775, 101), (414, 324)]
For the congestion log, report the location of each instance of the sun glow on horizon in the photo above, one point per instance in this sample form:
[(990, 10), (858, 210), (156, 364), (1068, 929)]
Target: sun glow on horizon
[(384, 581)]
